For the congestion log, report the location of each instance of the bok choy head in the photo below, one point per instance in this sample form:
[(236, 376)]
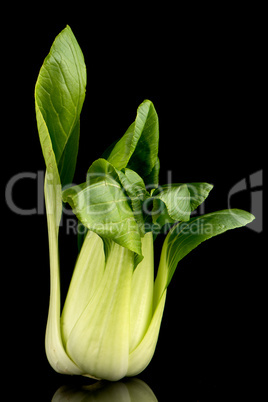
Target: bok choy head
[(109, 324)]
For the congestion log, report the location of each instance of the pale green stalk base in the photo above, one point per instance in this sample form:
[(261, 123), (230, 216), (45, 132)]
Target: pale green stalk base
[(55, 352), (108, 324)]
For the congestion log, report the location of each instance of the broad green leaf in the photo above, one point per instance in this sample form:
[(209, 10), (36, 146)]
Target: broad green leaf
[(59, 96), (175, 202), (138, 148), (102, 206), (185, 236)]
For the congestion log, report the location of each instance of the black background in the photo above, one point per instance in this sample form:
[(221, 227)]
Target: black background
[(205, 79)]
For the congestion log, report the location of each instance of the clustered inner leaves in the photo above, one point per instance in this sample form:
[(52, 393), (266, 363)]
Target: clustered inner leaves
[(121, 198)]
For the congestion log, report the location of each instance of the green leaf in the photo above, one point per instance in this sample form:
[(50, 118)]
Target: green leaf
[(59, 96), (137, 193), (185, 236), (144, 157), (175, 202), (102, 206), (138, 148), (152, 179), (136, 183)]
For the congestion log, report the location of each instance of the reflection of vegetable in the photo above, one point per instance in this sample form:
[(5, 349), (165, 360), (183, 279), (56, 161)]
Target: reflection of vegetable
[(133, 390), (111, 318)]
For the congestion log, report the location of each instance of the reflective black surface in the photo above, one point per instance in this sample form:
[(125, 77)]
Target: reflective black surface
[(133, 389), (81, 389), (170, 376)]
